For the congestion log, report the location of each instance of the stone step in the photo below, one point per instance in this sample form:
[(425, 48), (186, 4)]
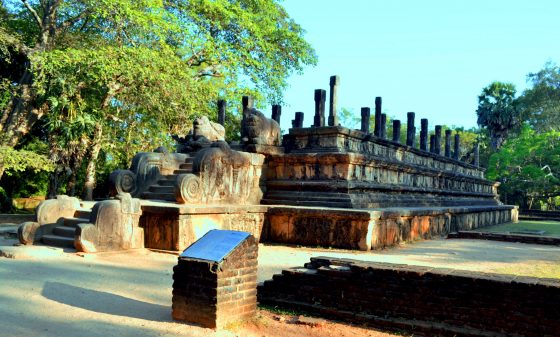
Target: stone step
[(310, 203), (158, 196), (168, 189), (83, 213), (296, 195), (58, 241), (186, 166), (166, 182), (65, 231), (181, 171), (72, 222)]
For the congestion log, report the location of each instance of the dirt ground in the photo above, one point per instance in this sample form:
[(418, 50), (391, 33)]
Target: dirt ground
[(47, 292)]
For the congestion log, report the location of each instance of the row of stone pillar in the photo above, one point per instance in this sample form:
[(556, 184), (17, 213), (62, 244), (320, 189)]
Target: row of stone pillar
[(247, 102), (380, 130)]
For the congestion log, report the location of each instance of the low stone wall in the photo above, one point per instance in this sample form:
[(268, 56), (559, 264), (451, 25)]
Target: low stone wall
[(531, 214), (427, 301), (522, 238), (174, 227), (376, 229), (16, 218)]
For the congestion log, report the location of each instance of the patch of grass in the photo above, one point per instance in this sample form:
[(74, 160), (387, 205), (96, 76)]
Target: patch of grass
[(537, 269), (551, 228), (281, 310)]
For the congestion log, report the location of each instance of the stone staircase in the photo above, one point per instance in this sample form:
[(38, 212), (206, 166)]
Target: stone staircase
[(164, 188), (63, 235)]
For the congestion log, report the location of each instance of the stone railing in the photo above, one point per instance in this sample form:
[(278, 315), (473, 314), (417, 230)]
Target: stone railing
[(146, 169), (221, 175)]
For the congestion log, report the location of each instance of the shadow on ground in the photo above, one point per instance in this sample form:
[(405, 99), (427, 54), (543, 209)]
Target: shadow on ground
[(104, 302)]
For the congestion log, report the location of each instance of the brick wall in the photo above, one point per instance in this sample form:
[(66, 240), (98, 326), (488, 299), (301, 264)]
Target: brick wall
[(213, 295), (427, 301)]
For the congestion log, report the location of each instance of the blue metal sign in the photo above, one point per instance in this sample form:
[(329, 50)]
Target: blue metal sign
[(214, 245)]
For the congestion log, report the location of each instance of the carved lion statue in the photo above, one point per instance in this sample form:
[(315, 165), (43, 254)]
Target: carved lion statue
[(203, 127), (260, 130)]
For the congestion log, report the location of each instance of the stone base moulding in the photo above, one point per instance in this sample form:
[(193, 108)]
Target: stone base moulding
[(376, 229)]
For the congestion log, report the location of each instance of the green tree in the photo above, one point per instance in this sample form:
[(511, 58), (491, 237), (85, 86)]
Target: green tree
[(528, 167), (498, 112), (20, 160), (541, 103), (113, 77)]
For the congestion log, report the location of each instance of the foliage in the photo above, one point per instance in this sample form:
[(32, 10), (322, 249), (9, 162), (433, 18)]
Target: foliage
[(541, 103), (114, 77), (528, 167), (20, 160), (498, 111)]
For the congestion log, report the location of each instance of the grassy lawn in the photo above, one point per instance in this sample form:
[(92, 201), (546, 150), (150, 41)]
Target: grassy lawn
[(534, 269), (551, 228)]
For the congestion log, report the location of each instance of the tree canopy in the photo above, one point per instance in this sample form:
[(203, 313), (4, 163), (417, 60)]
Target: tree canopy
[(528, 166), (110, 78), (541, 102), (498, 111)]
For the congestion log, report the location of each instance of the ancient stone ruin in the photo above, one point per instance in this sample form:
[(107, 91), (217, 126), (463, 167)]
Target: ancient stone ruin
[(322, 185)]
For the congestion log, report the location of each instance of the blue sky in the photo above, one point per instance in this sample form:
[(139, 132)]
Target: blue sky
[(430, 57)]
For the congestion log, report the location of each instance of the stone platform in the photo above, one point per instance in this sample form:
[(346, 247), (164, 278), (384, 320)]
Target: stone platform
[(172, 226), (366, 229)]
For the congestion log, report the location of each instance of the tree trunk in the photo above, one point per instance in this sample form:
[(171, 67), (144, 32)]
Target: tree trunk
[(71, 186), (21, 113), (54, 184), (89, 184)]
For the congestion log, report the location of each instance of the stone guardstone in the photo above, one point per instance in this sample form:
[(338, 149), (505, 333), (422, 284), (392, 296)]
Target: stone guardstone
[(215, 280)]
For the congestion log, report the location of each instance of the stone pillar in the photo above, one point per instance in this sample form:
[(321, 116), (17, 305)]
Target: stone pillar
[(365, 119), (397, 130), (298, 121), (247, 102), (377, 127), (457, 145), (333, 118), (448, 143), (383, 128), (437, 140), (424, 134), (320, 97), (476, 161), (432, 143), (410, 129), (276, 113), (222, 111)]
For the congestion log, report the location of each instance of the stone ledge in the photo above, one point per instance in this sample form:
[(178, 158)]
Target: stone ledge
[(366, 229), (522, 238), (154, 206), (359, 135)]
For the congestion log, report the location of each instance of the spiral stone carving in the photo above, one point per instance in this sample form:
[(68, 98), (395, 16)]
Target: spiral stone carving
[(189, 189), (123, 181)]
